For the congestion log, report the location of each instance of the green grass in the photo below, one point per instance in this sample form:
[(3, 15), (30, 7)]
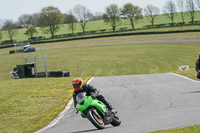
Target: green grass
[(29, 104), (190, 74), (191, 129), (99, 25), (110, 60), (113, 60)]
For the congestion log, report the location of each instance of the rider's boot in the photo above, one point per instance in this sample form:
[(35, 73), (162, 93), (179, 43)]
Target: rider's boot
[(111, 109), (102, 99)]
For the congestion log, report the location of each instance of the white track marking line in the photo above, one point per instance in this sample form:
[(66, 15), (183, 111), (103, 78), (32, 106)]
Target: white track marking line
[(88, 82), (185, 77), (61, 115)]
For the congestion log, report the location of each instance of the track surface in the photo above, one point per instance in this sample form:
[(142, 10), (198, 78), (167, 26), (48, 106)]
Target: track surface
[(144, 102)]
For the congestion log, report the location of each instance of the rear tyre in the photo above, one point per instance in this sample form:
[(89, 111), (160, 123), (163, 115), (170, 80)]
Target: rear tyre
[(95, 120), (116, 121)]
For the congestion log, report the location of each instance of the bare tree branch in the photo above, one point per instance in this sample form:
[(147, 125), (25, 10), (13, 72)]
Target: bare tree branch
[(170, 10), (181, 5), (191, 9), (151, 12), (11, 28), (71, 20), (1, 34), (198, 3), (25, 19), (83, 14)]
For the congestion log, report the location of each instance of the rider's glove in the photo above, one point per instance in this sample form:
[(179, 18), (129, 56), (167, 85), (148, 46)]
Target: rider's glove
[(94, 95)]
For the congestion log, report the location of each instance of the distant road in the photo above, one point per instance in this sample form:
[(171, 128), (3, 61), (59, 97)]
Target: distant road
[(145, 103), (118, 43), (127, 42)]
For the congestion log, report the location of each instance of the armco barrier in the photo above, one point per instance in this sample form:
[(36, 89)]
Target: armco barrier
[(7, 46), (109, 35), (112, 35)]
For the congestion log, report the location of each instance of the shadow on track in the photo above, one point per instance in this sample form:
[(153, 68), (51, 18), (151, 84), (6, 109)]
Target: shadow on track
[(91, 130), (193, 92)]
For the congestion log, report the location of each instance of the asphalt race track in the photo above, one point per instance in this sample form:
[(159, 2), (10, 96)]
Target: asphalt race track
[(144, 103)]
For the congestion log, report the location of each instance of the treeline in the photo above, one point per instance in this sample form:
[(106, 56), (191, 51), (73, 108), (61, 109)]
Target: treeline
[(50, 18)]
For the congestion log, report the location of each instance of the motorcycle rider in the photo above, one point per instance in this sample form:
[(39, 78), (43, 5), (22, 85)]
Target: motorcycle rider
[(80, 86), (198, 67)]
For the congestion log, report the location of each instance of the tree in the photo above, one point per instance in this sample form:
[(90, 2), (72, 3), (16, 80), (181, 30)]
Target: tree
[(11, 28), (71, 20), (1, 23), (181, 7), (96, 16), (132, 12), (112, 16), (35, 19), (25, 19), (68, 18), (31, 30), (50, 17), (191, 9), (1, 35), (83, 14), (198, 3), (170, 10), (151, 12)]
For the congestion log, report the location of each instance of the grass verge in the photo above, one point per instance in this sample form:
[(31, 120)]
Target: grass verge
[(27, 105), (190, 74), (111, 60), (191, 129)]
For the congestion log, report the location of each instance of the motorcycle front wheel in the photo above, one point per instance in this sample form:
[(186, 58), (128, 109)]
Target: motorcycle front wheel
[(116, 121), (95, 120)]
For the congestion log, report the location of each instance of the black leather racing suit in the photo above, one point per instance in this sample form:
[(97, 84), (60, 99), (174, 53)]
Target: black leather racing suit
[(89, 90), (198, 68), (198, 65)]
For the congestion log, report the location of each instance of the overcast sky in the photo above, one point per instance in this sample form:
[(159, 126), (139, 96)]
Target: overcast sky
[(12, 9)]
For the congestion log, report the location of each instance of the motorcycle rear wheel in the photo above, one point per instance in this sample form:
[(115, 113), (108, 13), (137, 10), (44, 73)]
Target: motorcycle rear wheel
[(97, 122)]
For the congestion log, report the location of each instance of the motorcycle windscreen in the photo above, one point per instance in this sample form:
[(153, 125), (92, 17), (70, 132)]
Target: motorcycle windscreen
[(80, 97)]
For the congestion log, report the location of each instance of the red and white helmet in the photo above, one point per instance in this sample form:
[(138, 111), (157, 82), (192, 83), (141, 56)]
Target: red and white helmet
[(77, 84)]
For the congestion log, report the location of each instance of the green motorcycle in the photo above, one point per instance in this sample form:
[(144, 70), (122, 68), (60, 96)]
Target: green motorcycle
[(96, 111)]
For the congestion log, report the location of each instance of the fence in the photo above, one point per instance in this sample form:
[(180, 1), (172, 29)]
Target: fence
[(41, 64)]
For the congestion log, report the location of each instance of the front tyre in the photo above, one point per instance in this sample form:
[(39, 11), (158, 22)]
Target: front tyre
[(95, 120), (116, 121)]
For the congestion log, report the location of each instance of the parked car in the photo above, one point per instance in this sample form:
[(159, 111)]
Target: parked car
[(28, 48)]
